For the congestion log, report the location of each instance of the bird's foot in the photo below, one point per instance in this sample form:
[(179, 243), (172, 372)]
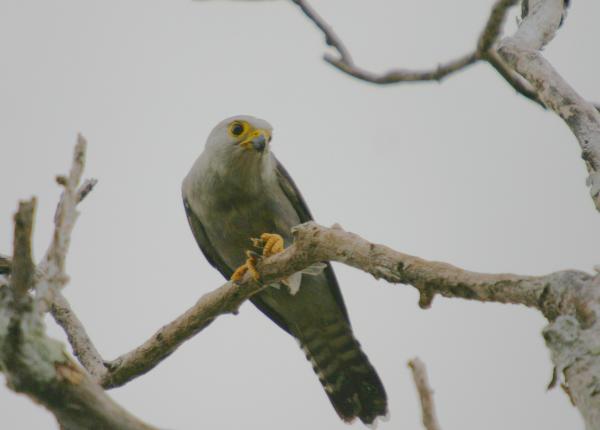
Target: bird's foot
[(248, 266), (271, 244)]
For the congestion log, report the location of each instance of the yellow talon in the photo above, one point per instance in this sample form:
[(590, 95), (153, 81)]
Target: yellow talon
[(239, 273), (248, 266), (273, 244)]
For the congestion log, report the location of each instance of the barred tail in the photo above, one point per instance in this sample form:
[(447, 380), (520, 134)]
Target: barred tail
[(350, 381)]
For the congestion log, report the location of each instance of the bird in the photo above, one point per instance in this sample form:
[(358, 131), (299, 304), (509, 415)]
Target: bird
[(237, 194)]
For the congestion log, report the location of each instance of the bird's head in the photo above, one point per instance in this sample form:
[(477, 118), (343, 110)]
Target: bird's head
[(241, 137)]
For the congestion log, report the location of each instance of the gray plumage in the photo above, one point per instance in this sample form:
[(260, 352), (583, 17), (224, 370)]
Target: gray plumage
[(237, 190)]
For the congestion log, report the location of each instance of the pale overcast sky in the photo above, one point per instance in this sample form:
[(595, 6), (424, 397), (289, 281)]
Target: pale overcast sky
[(465, 171)]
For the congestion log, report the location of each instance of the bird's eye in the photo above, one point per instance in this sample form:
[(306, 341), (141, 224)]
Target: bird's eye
[(236, 129)]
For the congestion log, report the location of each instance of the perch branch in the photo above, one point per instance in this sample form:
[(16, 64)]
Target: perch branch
[(419, 373), (314, 243), (225, 299)]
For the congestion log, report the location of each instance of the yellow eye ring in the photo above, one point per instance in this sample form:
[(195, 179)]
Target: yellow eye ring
[(237, 128)]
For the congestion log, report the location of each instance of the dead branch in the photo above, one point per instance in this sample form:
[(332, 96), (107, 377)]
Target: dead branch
[(570, 300), (484, 51), (23, 266), (344, 62), (83, 347), (32, 363), (552, 294), (225, 299), (522, 52), (419, 373)]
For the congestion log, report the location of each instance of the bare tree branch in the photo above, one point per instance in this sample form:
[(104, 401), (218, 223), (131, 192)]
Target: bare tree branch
[(570, 300), (83, 347), (23, 266), (53, 264), (85, 188), (225, 299), (551, 294), (51, 274), (515, 80), (401, 75), (419, 373), (522, 53), (331, 39), (494, 24), (32, 363), (345, 63), (484, 51)]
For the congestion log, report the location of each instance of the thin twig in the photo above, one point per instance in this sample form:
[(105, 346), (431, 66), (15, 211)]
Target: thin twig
[(484, 51), (399, 75), (83, 191), (66, 212), (343, 61), (419, 373), (331, 38), (23, 267), (82, 344), (52, 274), (493, 26), (86, 188)]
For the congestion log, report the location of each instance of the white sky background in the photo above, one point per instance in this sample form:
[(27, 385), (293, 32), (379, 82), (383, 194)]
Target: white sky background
[(466, 172)]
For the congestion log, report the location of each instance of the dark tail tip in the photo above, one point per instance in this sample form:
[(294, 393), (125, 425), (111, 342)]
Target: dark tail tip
[(349, 379), (351, 382), (358, 393)]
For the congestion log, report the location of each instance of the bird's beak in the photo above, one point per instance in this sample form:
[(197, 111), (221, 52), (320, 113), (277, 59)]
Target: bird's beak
[(257, 140)]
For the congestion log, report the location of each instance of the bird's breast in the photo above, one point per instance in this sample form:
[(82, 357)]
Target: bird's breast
[(237, 214)]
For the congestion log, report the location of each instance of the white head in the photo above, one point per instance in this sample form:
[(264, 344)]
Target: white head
[(241, 136), (237, 150)]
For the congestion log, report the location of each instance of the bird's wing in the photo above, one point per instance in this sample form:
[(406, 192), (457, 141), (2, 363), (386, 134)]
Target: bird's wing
[(206, 247), (295, 197)]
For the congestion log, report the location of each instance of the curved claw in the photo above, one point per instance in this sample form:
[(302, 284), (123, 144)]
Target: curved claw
[(273, 244), (248, 266)]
